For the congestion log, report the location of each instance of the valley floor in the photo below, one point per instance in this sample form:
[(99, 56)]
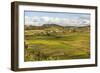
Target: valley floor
[(73, 45)]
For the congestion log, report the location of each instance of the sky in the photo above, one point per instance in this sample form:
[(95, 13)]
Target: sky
[(38, 18)]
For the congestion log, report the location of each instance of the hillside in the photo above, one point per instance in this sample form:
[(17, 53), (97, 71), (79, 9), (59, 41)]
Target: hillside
[(56, 26), (55, 42)]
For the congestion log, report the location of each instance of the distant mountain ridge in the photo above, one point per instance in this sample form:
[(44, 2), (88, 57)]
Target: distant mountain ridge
[(47, 25), (50, 25), (44, 26)]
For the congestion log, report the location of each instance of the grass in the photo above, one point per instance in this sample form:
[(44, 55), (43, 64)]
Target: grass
[(73, 45)]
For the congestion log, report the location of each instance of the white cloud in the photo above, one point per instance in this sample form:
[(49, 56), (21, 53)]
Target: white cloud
[(39, 21), (28, 20), (45, 18)]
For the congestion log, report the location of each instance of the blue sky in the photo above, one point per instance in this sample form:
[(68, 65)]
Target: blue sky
[(61, 18)]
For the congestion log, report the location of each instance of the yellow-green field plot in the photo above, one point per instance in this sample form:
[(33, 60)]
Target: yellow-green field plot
[(57, 44)]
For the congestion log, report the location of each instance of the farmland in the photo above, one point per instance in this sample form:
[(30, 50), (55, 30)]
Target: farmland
[(54, 42)]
